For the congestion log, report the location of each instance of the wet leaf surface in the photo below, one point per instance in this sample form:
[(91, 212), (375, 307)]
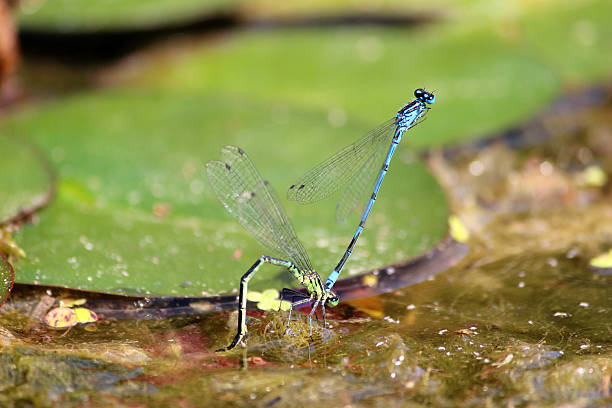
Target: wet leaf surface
[(148, 221), (105, 15)]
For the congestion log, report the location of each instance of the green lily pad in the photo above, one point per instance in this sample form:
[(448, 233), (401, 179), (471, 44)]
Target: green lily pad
[(321, 68), (321, 9), (25, 180), (122, 155), (103, 15), (108, 15), (7, 278), (487, 76)]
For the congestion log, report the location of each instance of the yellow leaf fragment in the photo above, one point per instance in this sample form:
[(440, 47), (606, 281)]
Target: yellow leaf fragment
[(84, 315), (594, 176), (253, 296), (458, 230), (71, 302), (370, 280), (270, 300), (602, 261), (269, 294), (8, 247), (274, 304), (285, 305)]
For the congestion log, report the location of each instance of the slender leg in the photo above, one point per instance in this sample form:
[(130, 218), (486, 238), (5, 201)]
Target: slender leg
[(314, 309), (323, 310), (298, 303), (296, 294), (242, 297), (420, 119)]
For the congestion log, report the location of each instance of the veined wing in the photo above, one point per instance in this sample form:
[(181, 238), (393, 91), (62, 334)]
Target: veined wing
[(251, 200), (332, 174), (361, 185)]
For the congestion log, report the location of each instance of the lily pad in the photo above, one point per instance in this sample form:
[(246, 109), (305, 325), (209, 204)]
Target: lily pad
[(353, 11), (112, 15), (104, 15), (487, 75), (105, 231), (473, 72)]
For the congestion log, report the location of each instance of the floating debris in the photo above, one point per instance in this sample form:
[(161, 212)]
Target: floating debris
[(458, 230)]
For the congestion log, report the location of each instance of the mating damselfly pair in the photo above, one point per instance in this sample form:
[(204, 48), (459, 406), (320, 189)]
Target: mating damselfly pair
[(358, 167)]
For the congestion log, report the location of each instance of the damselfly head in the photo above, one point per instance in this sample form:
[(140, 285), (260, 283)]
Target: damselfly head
[(424, 96), (332, 299)]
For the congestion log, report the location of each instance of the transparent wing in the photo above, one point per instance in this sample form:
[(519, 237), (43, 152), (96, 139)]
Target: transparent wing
[(250, 199), (360, 187), (332, 174)]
